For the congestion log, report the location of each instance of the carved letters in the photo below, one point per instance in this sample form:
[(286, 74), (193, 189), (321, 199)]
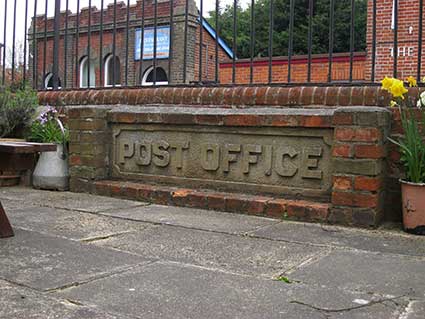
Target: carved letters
[(267, 160), (210, 157), (285, 161)]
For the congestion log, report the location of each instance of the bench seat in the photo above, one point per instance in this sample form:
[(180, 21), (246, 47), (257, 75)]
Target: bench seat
[(26, 147)]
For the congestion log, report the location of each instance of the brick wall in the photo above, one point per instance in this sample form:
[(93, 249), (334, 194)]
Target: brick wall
[(367, 169), (360, 146), (407, 39), (45, 57), (89, 146), (299, 69), (208, 57), (358, 166)]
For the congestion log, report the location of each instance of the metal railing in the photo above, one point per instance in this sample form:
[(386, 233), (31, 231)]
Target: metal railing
[(63, 44)]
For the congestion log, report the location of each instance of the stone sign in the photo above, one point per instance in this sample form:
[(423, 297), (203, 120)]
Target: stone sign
[(271, 160)]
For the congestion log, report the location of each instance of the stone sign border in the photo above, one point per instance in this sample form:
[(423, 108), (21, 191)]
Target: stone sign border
[(317, 134), (359, 151)]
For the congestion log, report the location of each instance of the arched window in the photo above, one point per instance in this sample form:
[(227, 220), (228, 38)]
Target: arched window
[(48, 82), (109, 71), (84, 73), (161, 77)]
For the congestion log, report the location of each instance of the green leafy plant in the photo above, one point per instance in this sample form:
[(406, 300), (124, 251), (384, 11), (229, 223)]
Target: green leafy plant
[(284, 279), (412, 143), (17, 107), (47, 128), (412, 146)]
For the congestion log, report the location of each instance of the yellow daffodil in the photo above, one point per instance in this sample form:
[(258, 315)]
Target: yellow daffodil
[(398, 89), (393, 103), (423, 79), (387, 83), (412, 81)]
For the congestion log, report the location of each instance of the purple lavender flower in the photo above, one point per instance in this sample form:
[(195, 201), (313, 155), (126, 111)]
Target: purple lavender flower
[(43, 120), (48, 115), (51, 109)]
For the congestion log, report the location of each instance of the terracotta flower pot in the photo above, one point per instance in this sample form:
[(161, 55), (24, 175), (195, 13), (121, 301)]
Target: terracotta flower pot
[(413, 197)]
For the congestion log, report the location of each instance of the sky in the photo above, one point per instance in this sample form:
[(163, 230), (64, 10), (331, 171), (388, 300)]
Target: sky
[(20, 13)]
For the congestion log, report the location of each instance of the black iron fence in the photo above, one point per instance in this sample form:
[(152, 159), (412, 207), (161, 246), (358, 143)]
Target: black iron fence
[(64, 44)]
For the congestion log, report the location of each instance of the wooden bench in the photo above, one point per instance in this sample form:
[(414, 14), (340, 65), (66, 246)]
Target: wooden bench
[(18, 156)]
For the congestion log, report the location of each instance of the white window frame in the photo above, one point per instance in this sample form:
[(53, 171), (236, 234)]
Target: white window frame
[(145, 77), (106, 76), (82, 77), (47, 80)]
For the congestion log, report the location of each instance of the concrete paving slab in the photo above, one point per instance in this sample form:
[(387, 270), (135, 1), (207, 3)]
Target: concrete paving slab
[(194, 218), (368, 272), (70, 224), (177, 291), (66, 200), (415, 310), (14, 204), (217, 272), (368, 240), (214, 250), (44, 262), (21, 303)]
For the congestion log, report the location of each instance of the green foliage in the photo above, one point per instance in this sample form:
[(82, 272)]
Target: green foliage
[(46, 129), (47, 133), (281, 18), (19, 85), (412, 146), (17, 107), (284, 279)]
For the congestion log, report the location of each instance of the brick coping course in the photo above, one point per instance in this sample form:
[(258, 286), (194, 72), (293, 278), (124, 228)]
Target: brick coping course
[(237, 96)]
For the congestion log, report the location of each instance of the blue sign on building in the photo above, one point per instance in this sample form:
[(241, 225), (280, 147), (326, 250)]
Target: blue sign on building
[(162, 45)]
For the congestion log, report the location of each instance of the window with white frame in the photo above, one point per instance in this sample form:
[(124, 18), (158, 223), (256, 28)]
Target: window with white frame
[(110, 63), (161, 77), (48, 82), (84, 66)]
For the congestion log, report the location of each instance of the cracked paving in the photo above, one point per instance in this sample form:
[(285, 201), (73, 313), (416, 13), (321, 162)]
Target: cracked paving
[(84, 256)]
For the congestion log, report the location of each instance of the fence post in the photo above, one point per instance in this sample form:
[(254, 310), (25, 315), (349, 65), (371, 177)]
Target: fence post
[(56, 45)]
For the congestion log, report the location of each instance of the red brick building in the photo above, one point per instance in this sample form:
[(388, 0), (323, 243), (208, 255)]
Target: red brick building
[(74, 54), (408, 38)]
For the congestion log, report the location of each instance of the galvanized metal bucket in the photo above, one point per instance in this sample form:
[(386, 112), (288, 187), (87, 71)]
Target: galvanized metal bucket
[(52, 170)]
